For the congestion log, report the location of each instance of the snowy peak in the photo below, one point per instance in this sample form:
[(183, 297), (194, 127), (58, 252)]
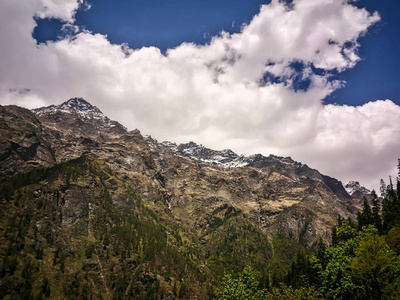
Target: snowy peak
[(226, 157), (73, 105), (79, 104), (354, 187), (80, 108), (202, 153)]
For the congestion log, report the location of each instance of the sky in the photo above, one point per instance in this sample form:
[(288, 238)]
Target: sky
[(316, 80)]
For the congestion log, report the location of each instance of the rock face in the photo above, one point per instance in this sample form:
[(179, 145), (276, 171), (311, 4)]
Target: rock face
[(99, 177), (22, 142), (276, 193)]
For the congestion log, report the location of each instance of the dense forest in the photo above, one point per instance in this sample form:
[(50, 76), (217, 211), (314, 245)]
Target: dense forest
[(75, 231), (362, 262)]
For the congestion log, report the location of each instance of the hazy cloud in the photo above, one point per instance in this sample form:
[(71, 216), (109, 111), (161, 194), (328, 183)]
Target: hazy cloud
[(217, 94)]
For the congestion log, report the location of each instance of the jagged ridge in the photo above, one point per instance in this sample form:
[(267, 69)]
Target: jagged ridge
[(226, 157)]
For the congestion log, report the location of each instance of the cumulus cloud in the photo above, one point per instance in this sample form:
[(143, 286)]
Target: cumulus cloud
[(253, 91)]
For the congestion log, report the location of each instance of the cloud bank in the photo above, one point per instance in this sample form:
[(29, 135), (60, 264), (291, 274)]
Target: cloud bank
[(257, 91)]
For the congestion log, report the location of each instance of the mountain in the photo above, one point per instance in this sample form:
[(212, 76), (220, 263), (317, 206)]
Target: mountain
[(354, 189), (90, 209), (80, 109)]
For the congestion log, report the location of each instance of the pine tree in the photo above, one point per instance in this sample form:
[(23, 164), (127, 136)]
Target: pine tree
[(398, 168), (334, 236), (387, 215), (365, 218), (376, 217), (390, 208), (360, 220), (350, 222), (398, 187), (390, 183), (398, 181), (383, 188)]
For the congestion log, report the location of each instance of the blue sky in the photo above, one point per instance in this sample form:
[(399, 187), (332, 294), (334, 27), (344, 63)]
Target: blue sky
[(167, 24), (164, 24), (375, 75), (316, 80)]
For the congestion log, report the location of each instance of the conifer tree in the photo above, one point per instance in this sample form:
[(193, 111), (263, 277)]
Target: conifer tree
[(398, 188), (398, 181), (390, 208), (334, 236), (360, 220), (376, 217), (398, 167), (386, 214), (383, 188), (390, 183), (365, 218)]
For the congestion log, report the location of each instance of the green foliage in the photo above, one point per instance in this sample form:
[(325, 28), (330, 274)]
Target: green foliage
[(360, 266), (236, 244), (246, 285), (376, 209), (373, 268), (390, 205), (284, 292), (300, 270), (393, 239), (39, 253), (243, 286), (9, 266), (46, 287), (334, 236), (89, 252), (345, 232), (365, 217)]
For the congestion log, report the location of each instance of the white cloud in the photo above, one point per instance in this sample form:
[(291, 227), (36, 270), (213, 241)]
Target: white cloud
[(60, 9), (215, 94)]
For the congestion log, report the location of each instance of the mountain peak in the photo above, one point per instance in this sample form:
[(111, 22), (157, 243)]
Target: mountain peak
[(81, 109), (353, 187), (79, 104), (73, 105)]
